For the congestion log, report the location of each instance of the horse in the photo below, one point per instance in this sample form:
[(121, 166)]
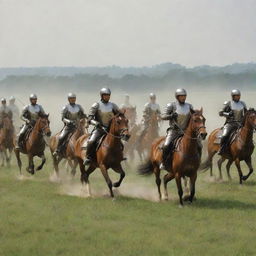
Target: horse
[(6, 139), (185, 159), (69, 152), (144, 143), (35, 144), (108, 155), (241, 148)]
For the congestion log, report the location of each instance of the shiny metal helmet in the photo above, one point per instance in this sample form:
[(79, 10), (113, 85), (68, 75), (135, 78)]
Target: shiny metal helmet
[(152, 95), (3, 99), (105, 91), (235, 92), (12, 98), (71, 95), (180, 92), (33, 96)]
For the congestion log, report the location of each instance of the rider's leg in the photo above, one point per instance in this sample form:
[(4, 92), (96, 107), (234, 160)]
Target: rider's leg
[(227, 129), (168, 147), (91, 144), (21, 135), (62, 138)]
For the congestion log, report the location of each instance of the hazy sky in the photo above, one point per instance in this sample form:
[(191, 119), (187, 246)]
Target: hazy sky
[(126, 32)]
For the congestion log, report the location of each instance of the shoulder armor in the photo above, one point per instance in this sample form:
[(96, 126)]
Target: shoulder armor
[(226, 103)]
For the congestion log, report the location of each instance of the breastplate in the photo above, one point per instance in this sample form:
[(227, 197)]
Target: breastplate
[(183, 111), (153, 107), (73, 112), (238, 110), (34, 111), (105, 113)]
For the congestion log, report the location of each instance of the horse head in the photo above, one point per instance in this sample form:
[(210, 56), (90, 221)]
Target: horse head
[(119, 126), (7, 123), (198, 123), (43, 125), (250, 117)]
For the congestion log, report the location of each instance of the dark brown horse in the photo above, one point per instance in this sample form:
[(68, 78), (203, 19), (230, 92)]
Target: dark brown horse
[(35, 144), (6, 139), (152, 132), (185, 160), (240, 149), (69, 152), (108, 155)]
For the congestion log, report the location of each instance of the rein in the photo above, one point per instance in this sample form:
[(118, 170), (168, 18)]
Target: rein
[(115, 136)]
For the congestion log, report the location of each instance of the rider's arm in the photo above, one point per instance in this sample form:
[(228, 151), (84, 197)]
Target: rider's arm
[(24, 114), (42, 112), (226, 110), (64, 118), (92, 113), (168, 112), (81, 112)]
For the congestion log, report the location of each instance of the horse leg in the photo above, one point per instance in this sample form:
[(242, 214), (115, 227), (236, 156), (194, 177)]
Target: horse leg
[(158, 181), (119, 169), (74, 165), (30, 167), (17, 154), (249, 164), (228, 169), (42, 163), (179, 186), (85, 175), (168, 177), (107, 179), (192, 187), (237, 162), (9, 158), (56, 161), (220, 162)]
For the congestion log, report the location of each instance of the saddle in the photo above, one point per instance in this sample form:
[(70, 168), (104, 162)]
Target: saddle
[(231, 138), (26, 136), (176, 144), (97, 143)]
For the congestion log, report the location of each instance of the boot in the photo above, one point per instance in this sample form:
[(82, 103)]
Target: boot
[(89, 154)]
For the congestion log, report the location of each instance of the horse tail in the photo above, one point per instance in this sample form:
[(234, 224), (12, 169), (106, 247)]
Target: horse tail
[(204, 166), (146, 168)]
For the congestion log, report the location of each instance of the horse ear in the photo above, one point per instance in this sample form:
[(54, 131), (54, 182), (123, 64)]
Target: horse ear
[(201, 110), (48, 114)]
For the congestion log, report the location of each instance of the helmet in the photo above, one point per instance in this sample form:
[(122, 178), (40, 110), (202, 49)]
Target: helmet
[(71, 95), (180, 92), (152, 95), (12, 98), (235, 92), (3, 99), (105, 91), (33, 96)]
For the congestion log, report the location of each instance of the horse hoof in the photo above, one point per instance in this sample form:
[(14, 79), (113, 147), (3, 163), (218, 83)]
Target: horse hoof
[(244, 178), (113, 199), (181, 206), (116, 185)]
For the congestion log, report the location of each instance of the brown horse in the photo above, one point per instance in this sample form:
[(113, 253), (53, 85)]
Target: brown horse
[(6, 139), (69, 152), (185, 160), (152, 132), (35, 144), (108, 155), (240, 149)]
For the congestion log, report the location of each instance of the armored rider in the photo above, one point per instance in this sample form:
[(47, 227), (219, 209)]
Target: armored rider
[(234, 112), (29, 115), (4, 111), (150, 108), (100, 115), (178, 113), (71, 114), (129, 110)]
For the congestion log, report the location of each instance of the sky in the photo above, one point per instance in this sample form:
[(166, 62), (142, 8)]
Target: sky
[(126, 32)]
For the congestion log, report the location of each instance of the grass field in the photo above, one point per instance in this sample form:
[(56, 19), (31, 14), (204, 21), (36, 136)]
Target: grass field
[(39, 217)]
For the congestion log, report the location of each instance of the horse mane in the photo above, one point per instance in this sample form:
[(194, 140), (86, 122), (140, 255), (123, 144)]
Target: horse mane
[(247, 113)]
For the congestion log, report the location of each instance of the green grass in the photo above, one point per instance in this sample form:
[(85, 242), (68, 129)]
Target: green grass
[(36, 218)]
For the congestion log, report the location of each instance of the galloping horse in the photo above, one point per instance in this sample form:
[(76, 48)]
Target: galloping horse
[(69, 152), (143, 147), (240, 149), (6, 139), (35, 144), (108, 155), (185, 160)]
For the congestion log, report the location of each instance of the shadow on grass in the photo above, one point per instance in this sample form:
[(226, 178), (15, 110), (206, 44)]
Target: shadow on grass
[(223, 204), (249, 183)]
